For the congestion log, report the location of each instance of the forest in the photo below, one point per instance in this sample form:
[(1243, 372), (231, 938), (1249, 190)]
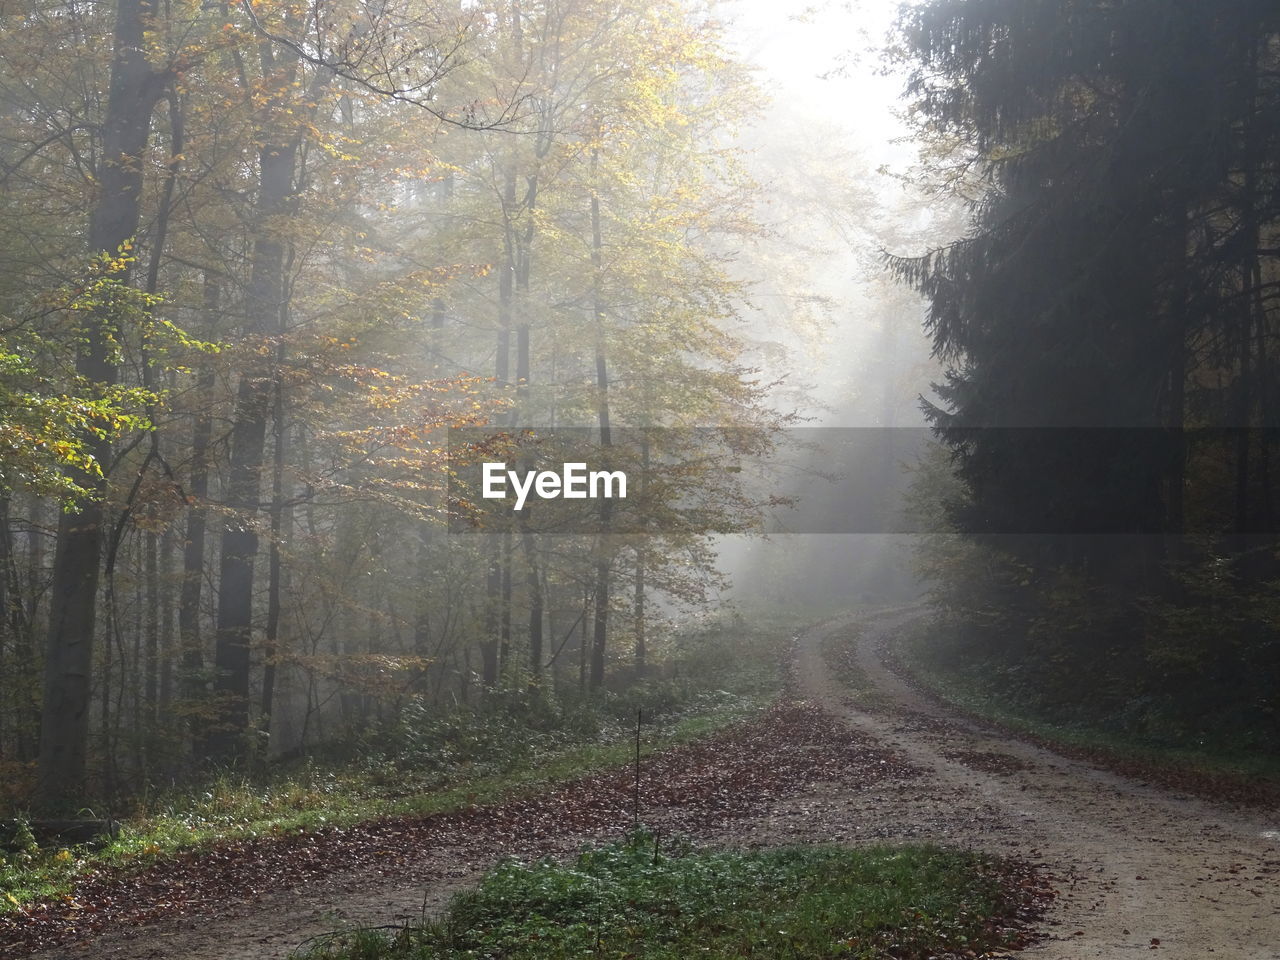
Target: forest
[(316, 249), (925, 353)]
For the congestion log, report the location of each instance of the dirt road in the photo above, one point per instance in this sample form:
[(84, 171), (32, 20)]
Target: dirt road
[(1140, 869)]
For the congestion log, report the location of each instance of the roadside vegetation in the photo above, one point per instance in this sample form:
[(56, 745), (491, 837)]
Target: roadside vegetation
[(1101, 502), (1122, 735), (641, 898), (428, 761)]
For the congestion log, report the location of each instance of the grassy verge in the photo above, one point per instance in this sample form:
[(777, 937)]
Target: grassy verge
[(313, 797), (1215, 772), (441, 764), (634, 900)]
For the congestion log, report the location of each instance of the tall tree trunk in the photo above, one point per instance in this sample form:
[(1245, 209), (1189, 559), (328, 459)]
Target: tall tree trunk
[(1175, 414), (18, 623), (492, 597), (151, 627), (600, 636), (7, 684), (279, 523), (534, 584), (1252, 316), (192, 685), (263, 304), (600, 631), (1255, 199), (166, 624), (582, 639), (1244, 408), (498, 580), (17, 666), (638, 614), (504, 610), (29, 737), (638, 609), (64, 729), (524, 376)]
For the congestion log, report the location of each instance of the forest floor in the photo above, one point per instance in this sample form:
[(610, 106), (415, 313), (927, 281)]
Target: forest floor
[(856, 755)]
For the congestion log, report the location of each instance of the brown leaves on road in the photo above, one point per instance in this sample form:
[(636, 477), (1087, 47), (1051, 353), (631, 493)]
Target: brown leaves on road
[(987, 761), (737, 772)]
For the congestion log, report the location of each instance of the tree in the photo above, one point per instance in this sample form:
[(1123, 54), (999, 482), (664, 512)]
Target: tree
[(136, 87), (342, 213), (1113, 283)]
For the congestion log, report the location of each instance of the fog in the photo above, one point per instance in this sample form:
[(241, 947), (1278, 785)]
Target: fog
[(965, 311), (835, 107)]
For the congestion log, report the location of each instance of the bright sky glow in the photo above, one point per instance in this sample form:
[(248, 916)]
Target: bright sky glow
[(823, 60)]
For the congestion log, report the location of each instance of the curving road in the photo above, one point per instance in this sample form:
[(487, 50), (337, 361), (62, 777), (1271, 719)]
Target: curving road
[(1141, 869)]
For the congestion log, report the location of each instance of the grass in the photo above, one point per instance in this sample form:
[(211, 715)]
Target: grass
[(975, 691), (732, 673), (634, 900)]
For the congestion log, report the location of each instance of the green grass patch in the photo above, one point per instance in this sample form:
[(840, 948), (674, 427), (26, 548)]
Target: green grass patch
[(635, 900)]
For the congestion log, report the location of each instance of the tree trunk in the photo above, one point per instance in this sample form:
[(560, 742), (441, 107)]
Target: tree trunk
[(64, 727), (7, 686), (151, 627), (492, 596), (166, 624), (535, 603), (263, 304), (504, 609), (524, 375), (601, 627), (18, 672), (582, 640), (189, 640), (279, 530), (641, 653), (638, 614), (497, 582)]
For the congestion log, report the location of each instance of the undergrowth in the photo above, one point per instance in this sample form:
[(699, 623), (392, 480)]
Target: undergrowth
[(989, 689), (427, 760)]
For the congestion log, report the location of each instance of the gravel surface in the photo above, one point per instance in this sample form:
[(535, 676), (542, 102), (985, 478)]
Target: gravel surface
[(1140, 868)]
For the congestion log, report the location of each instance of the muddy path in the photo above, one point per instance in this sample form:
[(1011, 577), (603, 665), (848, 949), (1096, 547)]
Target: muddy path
[(1140, 868), (1134, 864)]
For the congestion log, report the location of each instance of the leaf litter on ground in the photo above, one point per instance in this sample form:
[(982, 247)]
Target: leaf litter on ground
[(789, 750)]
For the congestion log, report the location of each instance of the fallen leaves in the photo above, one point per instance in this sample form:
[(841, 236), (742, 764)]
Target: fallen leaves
[(987, 761), (790, 750)]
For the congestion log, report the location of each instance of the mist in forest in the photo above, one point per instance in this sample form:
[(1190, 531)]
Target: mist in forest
[(849, 341), (323, 322), (282, 287)]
